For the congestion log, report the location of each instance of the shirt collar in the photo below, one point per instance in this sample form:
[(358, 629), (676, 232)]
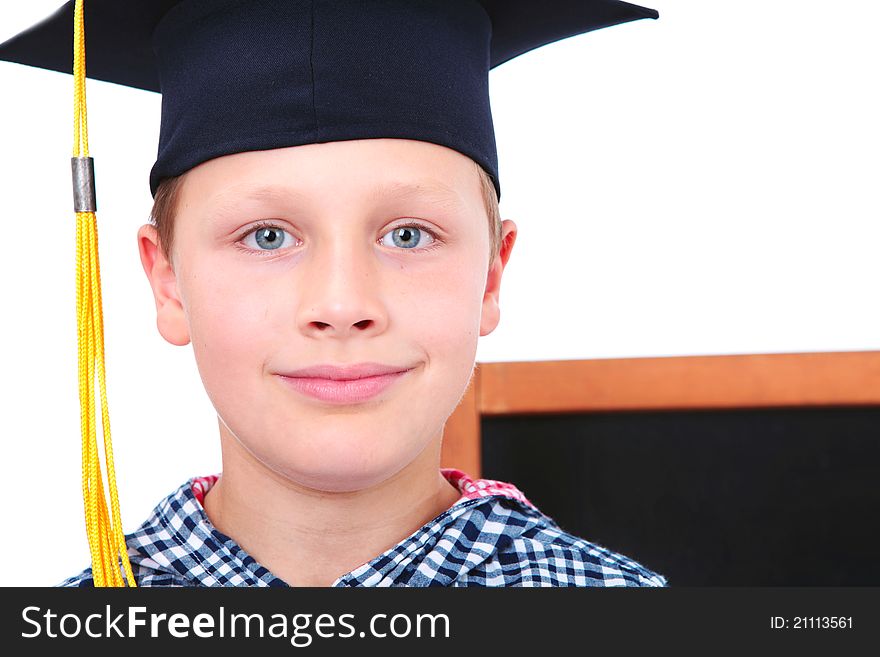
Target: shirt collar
[(180, 538)]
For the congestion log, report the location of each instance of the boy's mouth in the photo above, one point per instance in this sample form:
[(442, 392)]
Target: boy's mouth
[(344, 385)]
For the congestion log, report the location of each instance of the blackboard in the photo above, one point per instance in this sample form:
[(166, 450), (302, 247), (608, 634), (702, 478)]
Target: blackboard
[(764, 497)]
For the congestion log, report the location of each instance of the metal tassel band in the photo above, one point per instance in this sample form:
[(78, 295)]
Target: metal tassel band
[(84, 199)]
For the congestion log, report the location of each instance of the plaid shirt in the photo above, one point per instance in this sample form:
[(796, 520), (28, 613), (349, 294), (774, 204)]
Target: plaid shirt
[(492, 536)]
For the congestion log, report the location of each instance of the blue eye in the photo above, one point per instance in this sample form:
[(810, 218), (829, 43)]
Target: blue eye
[(267, 238), (407, 237)]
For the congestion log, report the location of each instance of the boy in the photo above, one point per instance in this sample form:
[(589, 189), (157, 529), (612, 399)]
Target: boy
[(325, 178)]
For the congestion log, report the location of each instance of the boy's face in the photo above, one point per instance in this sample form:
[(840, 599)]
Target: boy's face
[(333, 281)]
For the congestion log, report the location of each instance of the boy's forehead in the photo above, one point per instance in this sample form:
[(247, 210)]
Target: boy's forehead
[(377, 169)]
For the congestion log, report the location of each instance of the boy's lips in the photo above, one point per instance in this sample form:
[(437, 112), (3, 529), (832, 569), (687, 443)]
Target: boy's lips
[(346, 372), (344, 385)]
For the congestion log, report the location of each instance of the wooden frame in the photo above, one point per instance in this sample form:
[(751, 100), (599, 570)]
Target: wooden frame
[(670, 383)]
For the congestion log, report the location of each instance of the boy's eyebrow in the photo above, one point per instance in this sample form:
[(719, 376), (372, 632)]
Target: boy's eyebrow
[(433, 191), (237, 193)]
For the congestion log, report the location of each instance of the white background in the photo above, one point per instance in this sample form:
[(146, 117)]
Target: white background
[(702, 184)]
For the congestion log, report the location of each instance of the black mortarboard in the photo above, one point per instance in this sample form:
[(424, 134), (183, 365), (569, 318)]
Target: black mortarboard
[(240, 75)]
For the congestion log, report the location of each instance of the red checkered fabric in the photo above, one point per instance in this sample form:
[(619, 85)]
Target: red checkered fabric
[(470, 488)]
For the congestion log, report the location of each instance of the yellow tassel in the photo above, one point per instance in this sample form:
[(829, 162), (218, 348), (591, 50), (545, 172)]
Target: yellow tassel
[(106, 538)]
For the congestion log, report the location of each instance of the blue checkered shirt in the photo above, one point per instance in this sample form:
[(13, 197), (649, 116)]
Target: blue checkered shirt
[(494, 538)]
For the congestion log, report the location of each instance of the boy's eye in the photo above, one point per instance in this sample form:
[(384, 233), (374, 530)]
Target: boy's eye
[(266, 238), (272, 238), (407, 237)]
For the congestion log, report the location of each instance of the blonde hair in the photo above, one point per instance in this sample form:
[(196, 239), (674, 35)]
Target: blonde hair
[(493, 212), (165, 209)]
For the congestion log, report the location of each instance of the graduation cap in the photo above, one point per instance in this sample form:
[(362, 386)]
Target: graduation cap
[(243, 75), (259, 74)]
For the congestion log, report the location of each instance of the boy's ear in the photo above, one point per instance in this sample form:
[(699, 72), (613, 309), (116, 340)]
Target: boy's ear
[(491, 313), (170, 318)]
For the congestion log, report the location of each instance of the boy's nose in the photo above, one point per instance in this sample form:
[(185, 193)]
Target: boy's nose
[(342, 297)]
